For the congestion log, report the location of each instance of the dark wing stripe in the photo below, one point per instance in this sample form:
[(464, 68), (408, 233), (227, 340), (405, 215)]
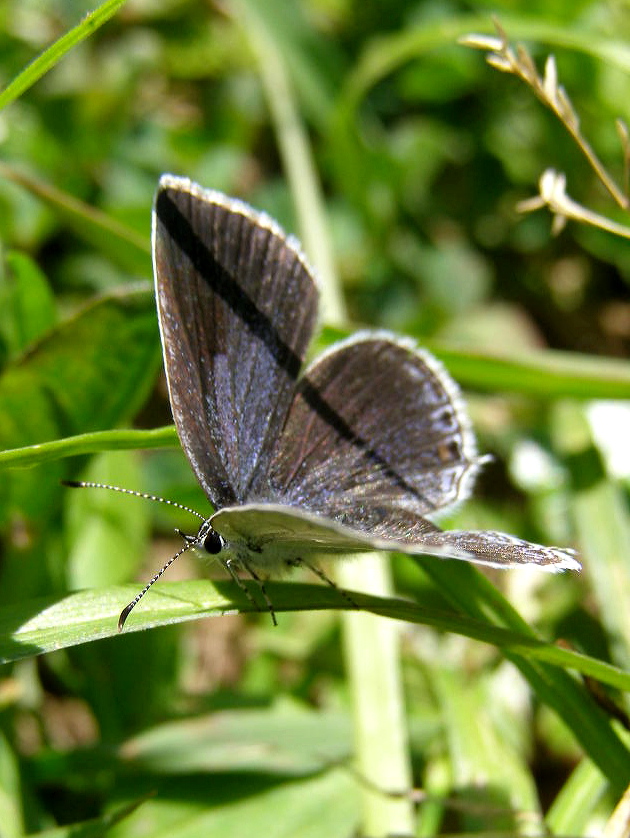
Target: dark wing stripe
[(180, 229), (325, 411)]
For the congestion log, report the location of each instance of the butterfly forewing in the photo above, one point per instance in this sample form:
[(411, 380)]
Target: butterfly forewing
[(237, 306), (375, 432)]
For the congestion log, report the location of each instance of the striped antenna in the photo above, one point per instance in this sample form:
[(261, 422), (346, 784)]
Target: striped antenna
[(128, 608), (191, 541), (86, 484)]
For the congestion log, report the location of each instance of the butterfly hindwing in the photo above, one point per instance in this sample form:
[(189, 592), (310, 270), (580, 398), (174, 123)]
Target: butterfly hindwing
[(272, 533), (497, 549), (376, 426), (275, 534)]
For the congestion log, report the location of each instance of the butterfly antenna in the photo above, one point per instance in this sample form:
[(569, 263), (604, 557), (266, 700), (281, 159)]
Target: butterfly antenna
[(190, 540), (128, 608), (86, 484)]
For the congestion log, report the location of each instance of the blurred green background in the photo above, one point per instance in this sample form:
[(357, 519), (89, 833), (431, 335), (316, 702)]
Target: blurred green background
[(421, 152)]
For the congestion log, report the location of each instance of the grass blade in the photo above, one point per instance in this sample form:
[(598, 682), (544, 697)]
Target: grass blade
[(43, 63)]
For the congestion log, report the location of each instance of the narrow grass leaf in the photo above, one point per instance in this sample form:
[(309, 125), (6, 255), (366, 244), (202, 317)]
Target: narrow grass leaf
[(41, 625), (94, 442), (569, 699), (43, 63)]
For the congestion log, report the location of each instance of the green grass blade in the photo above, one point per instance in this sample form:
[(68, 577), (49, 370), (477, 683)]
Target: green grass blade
[(569, 699), (599, 511), (260, 22), (549, 374), (43, 625), (43, 63), (372, 654), (89, 443), (572, 809)]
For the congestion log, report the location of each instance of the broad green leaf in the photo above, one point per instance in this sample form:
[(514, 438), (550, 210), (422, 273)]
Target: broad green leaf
[(282, 739), (27, 304), (217, 805), (87, 374)]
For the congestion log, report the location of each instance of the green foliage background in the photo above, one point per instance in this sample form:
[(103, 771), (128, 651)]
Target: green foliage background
[(414, 152)]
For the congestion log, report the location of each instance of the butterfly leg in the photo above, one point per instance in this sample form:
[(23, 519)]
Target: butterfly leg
[(320, 573), (229, 566)]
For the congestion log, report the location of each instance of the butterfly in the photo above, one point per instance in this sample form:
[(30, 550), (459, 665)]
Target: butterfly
[(357, 452)]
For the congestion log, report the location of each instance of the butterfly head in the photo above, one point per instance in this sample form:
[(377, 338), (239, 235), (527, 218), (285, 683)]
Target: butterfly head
[(209, 539)]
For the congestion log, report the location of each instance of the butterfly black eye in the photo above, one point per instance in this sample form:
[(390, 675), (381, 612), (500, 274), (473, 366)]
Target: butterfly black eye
[(213, 543)]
